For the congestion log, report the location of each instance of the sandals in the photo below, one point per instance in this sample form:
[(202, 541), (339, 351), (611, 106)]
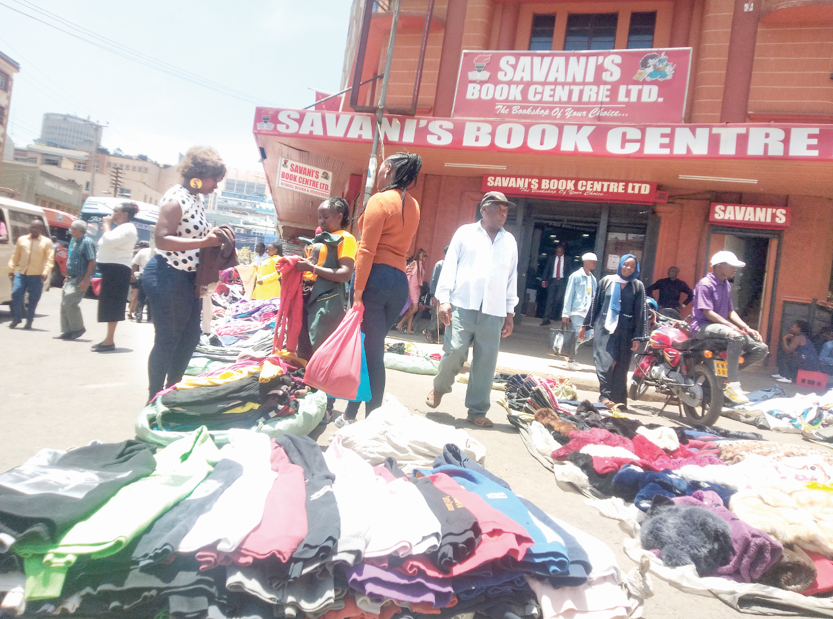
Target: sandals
[(433, 400), (480, 422), (607, 403)]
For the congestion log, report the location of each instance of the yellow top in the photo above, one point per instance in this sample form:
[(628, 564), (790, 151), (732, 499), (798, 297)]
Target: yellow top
[(32, 256), (268, 280)]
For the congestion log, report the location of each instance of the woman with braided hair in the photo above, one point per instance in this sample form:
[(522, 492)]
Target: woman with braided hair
[(387, 228)]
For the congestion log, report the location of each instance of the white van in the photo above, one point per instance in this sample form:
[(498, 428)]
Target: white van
[(17, 216)]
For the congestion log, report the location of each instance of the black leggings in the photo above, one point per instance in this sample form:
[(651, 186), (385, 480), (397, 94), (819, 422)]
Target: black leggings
[(384, 297)]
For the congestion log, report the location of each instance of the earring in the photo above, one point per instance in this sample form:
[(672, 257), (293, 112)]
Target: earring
[(196, 183)]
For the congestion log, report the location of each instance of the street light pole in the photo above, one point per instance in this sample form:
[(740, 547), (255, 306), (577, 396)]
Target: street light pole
[(380, 110)]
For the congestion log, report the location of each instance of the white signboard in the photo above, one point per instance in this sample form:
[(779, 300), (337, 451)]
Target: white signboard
[(304, 178)]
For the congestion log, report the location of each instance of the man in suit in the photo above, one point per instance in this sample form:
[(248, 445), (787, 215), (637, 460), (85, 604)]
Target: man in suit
[(556, 275)]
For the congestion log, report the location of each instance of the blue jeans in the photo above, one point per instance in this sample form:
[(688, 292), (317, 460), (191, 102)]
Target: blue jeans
[(384, 297), (175, 307), (22, 284)]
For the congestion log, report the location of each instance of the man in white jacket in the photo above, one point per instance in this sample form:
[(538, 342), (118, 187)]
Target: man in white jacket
[(581, 290)]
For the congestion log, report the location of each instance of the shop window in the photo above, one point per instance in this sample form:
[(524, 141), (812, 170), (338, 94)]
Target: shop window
[(641, 31), (620, 243), (591, 31), (543, 27)]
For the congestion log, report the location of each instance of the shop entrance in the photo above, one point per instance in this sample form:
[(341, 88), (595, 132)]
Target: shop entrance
[(608, 230), (754, 285)]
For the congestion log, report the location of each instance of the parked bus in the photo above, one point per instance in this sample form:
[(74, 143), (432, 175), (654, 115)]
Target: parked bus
[(95, 209), (16, 217)]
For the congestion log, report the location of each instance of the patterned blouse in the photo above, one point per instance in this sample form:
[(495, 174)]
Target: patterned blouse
[(193, 225)]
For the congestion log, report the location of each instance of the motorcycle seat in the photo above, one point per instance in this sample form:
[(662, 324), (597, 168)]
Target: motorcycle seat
[(715, 344)]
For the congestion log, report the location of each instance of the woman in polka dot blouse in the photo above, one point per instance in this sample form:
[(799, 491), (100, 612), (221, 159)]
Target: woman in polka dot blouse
[(169, 279)]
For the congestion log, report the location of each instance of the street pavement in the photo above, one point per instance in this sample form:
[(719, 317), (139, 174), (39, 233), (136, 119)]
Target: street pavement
[(59, 394)]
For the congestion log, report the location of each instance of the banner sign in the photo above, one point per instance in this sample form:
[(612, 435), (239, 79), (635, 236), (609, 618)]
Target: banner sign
[(750, 216), (682, 141), (621, 86), (584, 190), (304, 178)]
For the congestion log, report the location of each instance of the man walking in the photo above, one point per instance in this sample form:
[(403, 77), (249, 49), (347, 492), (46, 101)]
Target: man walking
[(714, 316), (555, 282), (670, 288), (29, 267), (80, 268), (478, 293), (581, 290)]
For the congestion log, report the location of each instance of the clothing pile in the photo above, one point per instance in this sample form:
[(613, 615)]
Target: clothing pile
[(277, 528), (771, 409), (408, 357), (264, 393), (709, 509)]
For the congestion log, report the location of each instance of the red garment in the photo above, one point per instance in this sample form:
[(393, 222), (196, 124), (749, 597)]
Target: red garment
[(352, 611), (500, 535), (594, 436), (824, 579), (290, 316), (652, 458), (281, 530)]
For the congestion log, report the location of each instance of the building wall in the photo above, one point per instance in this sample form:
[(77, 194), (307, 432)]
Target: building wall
[(69, 131), (8, 69), (710, 69)]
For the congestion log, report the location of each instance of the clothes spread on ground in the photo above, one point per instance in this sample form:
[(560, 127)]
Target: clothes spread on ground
[(280, 528)]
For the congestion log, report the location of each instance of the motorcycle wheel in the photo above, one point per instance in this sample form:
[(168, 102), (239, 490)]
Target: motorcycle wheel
[(712, 405), (637, 388)]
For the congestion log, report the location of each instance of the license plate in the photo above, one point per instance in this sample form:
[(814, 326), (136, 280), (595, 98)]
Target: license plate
[(720, 369)]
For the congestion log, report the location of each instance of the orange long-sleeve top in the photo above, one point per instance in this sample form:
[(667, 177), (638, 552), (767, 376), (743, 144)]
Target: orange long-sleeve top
[(385, 236)]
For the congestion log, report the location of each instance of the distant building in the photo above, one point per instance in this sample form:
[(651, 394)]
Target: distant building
[(242, 201), (67, 131), (8, 68), (35, 185)]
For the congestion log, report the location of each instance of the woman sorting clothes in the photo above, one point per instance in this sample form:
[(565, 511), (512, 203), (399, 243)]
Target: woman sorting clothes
[(415, 273), (268, 285), (115, 261), (170, 278), (327, 267), (619, 317), (387, 228)]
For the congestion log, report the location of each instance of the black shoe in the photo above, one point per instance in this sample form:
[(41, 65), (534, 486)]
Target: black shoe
[(76, 334), (545, 323), (63, 336), (14, 323), (102, 347), (28, 324), (139, 318)]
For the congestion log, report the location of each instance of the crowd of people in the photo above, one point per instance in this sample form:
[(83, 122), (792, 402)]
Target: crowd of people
[(472, 306)]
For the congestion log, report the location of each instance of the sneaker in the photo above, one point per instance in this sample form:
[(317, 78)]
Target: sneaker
[(342, 421), (734, 393), (783, 379), (776, 376), (573, 366)]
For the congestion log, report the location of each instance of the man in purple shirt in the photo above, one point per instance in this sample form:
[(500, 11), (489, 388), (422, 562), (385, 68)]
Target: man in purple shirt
[(714, 317)]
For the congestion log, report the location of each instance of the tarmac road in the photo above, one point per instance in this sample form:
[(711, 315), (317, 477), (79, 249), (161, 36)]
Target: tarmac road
[(60, 394)]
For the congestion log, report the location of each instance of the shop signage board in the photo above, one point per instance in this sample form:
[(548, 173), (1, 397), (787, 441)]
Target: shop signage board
[(304, 178), (586, 190), (677, 141), (618, 86), (750, 216)]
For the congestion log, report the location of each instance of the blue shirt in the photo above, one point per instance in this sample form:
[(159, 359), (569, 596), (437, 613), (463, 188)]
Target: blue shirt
[(826, 355), (80, 254)]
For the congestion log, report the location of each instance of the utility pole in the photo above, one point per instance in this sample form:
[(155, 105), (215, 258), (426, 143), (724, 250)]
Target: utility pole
[(373, 163), (94, 155), (115, 181)]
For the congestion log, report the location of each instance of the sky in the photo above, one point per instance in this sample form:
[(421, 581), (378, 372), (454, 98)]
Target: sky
[(272, 51)]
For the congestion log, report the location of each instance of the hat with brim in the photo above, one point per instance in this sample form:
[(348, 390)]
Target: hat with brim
[(493, 198), (727, 257)]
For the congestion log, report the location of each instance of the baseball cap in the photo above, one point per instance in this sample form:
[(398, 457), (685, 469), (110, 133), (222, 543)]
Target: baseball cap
[(589, 256), (727, 257), (495, 197)]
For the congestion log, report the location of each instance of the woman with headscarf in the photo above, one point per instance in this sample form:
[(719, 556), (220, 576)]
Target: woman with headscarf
[(387, 228), (268, 285), (619, 317)]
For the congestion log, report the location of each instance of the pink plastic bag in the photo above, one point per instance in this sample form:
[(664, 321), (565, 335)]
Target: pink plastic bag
[(336, 367)]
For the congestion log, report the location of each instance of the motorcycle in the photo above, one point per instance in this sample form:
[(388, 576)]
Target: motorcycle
[(691, 371)]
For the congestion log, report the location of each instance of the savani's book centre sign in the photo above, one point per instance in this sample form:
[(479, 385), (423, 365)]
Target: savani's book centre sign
[(304, 178), (620, 86)]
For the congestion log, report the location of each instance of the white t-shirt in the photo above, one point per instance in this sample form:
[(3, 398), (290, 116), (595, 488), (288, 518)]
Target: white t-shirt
[(142, 257), (116, 246)]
